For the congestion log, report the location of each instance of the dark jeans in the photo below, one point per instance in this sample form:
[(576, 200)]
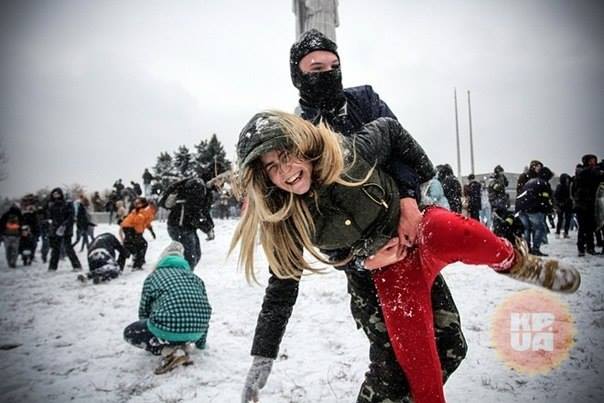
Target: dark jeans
[(385, 378), (189, 239), (564, 217), (45, 248), (587, 224), (58, 242), (84, 235), (136, 245), (474, 213), (138, 334)]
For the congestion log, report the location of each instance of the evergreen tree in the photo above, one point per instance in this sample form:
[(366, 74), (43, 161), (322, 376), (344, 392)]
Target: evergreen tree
[(200, 165), (212, 157), (182, 161), (165, 173), (163, 166)]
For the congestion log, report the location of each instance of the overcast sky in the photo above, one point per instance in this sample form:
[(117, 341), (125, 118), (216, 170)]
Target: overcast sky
[(93, 91)]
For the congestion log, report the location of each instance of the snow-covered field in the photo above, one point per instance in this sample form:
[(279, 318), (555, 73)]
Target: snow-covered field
[(70, 345)]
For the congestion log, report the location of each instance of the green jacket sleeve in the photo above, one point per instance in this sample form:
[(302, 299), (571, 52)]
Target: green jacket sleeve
[(147, 297)]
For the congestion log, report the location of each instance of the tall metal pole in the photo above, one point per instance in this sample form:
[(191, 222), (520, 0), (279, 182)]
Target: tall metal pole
[(457, 135), (471, 138)]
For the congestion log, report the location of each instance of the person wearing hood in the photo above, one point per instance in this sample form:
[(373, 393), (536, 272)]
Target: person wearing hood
[(10, 227), (106, 258), (315, 69), (61, 215), (532, 204), (174, 310), (563, 205), (451, 187)]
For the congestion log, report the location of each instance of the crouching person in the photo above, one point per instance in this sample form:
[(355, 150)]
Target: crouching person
[(174, 311), (106, 259)]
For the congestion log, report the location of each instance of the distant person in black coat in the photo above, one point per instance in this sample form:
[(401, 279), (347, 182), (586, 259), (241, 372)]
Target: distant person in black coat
[(532, 204), (451, 186), (186, 201), (472, 192), (61, 214), (587, 179), (563, 205)]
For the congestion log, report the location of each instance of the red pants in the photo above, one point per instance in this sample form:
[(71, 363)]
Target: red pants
[(404, 291)]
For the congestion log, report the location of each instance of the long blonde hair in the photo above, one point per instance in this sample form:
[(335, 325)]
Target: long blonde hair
[(282, 219)]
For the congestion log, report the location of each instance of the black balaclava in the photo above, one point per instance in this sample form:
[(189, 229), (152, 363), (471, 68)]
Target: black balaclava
[(321, 90)]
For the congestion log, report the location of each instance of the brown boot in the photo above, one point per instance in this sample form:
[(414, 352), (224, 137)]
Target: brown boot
[(550, 273), (173, 357)]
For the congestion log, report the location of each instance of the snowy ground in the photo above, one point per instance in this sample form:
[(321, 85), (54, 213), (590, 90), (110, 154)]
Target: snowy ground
[(70, 345)]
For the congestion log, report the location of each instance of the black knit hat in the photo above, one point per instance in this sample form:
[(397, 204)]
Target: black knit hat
[(309, 41), (261, 134)]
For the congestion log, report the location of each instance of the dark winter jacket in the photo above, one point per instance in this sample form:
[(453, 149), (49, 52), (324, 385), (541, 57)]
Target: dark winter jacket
[(26, 243), (473, 193), (61, 214), (147, 177), (32, 219), (11, 222), (83, 220), (136, 187), (349, 220), (536, 197), (587, 180), (526, 176), (496, 187), (104, 249), (451, 187), (186, 201), (562, 199), (175, 304), (362, 106)]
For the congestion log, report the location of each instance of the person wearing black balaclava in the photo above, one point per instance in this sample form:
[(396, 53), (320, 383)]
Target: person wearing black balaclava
[(316, 72)]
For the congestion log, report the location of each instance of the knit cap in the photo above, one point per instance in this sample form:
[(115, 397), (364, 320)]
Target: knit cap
[(309, 41)]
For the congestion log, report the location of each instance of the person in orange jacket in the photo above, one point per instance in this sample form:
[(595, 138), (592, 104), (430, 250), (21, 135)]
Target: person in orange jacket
[(132, 228)]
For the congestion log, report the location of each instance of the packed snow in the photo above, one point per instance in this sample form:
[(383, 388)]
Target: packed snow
[(61, 340)]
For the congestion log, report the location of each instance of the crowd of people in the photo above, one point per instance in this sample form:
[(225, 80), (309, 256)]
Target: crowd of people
[(353, 204)]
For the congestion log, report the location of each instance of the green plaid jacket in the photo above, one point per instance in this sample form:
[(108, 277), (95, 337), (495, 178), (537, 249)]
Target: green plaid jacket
[(175, 304)]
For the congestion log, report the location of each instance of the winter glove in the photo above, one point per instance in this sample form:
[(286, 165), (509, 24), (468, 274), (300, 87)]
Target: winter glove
[(60, 231), (256, 378)]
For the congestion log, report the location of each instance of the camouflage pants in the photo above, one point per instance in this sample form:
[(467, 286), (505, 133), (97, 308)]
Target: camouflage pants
[(385, 382)]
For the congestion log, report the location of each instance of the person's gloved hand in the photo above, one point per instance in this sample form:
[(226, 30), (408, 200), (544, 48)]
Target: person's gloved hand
[(60, 231), (256, 378)]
